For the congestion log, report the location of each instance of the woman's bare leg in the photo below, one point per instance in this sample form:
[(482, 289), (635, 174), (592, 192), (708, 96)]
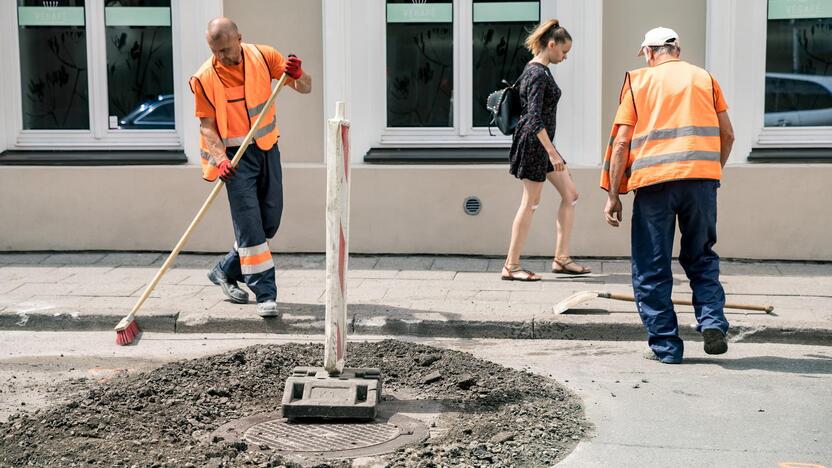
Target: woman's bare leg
[(523, 220), (563, 183)]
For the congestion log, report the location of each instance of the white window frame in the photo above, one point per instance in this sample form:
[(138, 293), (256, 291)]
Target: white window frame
[(188, 20), (736, 55), (354, 72)]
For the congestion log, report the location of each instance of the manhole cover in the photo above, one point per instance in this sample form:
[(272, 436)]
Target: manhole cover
[(324, 440), (325, 437)]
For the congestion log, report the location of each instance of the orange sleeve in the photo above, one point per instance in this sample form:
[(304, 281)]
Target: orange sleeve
[(202, 104), (719, 99), (275, 60), (626, 114)]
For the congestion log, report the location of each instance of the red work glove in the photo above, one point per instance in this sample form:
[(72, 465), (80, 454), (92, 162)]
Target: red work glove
[(227, 171), (293, 68)]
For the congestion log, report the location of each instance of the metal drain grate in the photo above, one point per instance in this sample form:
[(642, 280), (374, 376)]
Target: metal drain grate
[(278, 434), (472, 206)]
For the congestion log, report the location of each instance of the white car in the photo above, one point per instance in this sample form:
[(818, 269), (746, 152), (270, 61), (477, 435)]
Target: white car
[(797, 100)]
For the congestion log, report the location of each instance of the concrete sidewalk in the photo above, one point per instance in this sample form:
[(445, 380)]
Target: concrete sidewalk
[(433, 296)]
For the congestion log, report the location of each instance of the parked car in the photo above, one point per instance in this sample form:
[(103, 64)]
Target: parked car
[(797, 100), (155, 114)]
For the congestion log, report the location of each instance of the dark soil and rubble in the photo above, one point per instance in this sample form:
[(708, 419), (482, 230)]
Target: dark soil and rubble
[(497, 416)]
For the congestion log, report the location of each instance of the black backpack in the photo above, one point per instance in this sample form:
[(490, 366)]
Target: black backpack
[(505, 108)]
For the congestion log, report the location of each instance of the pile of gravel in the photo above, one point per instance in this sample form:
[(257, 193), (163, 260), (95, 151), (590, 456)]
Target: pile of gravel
[(164, 417)]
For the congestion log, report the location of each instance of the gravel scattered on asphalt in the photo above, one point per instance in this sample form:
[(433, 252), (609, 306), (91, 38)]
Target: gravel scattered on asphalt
[(164, 417)]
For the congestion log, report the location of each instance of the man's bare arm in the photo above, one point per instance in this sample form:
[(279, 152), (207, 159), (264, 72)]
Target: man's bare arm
[(620, 154), (618, 164), (726, 137), (208, 130), (303, 84)]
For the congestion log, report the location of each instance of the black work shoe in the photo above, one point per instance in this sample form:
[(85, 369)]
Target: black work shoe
[(230, 288), (715, 341)]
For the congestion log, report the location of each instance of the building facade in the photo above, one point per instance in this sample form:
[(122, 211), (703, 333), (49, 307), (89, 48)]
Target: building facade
[(100, 146)]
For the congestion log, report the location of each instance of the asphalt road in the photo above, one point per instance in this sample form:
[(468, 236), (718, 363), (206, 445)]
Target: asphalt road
[(758, 406)]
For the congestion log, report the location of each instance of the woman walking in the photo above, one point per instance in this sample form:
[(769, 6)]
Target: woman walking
[(534, 158)]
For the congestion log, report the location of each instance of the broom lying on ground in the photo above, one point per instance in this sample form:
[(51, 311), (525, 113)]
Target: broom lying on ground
[(127, 329), (584, 296)]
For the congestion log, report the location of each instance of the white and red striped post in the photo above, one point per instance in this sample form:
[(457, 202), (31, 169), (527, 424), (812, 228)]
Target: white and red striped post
[(337, 239)]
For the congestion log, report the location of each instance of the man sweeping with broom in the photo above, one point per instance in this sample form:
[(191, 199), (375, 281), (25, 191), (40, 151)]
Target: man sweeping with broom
[(672, 136), (230, 91)]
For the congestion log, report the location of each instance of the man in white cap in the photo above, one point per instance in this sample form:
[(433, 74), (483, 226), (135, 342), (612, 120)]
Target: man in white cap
[(670, 139)]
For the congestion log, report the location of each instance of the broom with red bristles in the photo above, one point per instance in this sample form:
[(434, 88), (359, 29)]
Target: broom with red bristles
[(128, 329)]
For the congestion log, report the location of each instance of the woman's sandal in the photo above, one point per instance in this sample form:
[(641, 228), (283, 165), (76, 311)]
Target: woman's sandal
[(559, 266), (518, 274)]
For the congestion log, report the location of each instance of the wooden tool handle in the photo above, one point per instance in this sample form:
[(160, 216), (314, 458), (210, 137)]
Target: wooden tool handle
[(626, 297), (217, 188)]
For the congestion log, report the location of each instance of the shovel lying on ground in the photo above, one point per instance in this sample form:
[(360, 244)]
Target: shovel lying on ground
[(584, 296), (127, 329)]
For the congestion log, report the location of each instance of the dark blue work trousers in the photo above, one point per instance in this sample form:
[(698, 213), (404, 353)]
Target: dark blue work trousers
[(655, 210), (255, 195)]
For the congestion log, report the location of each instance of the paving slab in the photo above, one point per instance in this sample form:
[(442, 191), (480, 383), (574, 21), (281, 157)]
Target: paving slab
[(455, 264), (196, 261), (418, 292), (373, 274), (73, 258), (9, 286), (88, 274), (805, 269), (132, 259), (362, 263), (120, 289), (34, 289), (23, 258), (40, 273), (297, 261), (404, 263), (426, 274)]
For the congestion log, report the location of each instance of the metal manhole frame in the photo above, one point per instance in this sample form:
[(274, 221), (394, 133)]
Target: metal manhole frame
[(411, 431), (379, 433)]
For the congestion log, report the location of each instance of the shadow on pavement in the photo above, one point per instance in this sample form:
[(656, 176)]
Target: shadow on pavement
[(771, 364)]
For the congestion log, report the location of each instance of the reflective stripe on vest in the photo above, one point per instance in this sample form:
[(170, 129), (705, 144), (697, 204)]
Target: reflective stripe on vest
[(262, 131), (676, 135), (257, 91)]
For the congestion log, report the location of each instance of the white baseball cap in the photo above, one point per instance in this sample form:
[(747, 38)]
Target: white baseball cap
[(658, 37)]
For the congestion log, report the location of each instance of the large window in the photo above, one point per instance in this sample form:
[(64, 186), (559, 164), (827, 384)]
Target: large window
[(799, 64), (444, 58), (93, 74), (499, 33)]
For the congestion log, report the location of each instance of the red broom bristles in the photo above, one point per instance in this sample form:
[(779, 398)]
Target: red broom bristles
[(128, 334)]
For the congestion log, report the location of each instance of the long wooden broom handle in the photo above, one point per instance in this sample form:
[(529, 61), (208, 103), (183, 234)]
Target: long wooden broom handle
[(217, 188), (627, 297)]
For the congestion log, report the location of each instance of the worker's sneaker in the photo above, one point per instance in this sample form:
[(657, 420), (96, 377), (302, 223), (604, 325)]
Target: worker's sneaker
[(267, 309), (230, 288), (715, 341)]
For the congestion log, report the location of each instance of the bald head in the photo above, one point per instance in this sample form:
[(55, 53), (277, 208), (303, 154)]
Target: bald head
[(224, 40), (219, 27)]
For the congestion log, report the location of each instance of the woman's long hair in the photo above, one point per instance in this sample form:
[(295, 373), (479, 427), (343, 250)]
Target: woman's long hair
[(547, 31)]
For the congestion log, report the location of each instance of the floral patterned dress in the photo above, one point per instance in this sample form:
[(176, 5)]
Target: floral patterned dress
[(539, 96)]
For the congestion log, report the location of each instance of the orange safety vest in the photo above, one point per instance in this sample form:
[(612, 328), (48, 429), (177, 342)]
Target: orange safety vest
[(676, 135), (257, 91)]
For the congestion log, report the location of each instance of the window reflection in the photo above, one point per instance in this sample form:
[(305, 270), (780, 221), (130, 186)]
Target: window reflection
[(799, 64), (419, 64), (53, 65), (139, 60)]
